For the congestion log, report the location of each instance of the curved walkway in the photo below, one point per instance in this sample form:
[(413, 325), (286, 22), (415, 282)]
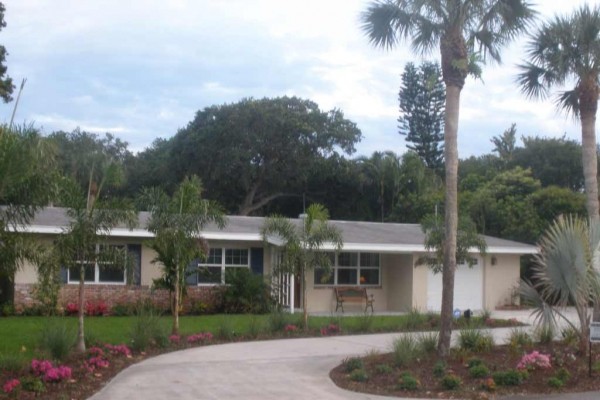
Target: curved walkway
[(275, 369)]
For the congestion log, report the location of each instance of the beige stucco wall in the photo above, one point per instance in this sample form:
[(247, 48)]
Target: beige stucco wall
[(399, 281), (419, 283), (27, 273), (500, 279)]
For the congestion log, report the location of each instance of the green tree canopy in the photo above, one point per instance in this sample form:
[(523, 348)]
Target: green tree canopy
[(6, 84), (254, 151), (422, 97)]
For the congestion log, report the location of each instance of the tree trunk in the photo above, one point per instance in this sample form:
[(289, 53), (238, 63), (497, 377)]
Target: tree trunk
[(175, 311), (590, 163), (80, 346), (451, 216), (304, 310)]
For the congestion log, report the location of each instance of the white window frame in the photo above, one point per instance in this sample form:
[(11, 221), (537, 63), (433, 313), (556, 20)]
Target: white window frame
[(97, 264), (335, 267), (223, 264)]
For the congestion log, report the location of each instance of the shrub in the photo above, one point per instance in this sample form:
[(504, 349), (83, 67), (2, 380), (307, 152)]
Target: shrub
[(225, 329), (563, 375), (510, 377), (556, 383), (534, 360), (12, 362), (123, 309), (146, 329), (489, 385), (245, 292), (290, 329), (98, 308), (364, 323), (439, 369), (202, 337), (406, 350), (474, 362), (383, 369), (277, 320), (475, 340), (570, 336), (414, 319), (7, 310), (408, 382), (255, 327), (544, 335), (353, 363), (57, 339), (33, 384), (359, 375), (118, 350), (71, 309), (451, 382), (479, 371), (519, 338), (428, 342)]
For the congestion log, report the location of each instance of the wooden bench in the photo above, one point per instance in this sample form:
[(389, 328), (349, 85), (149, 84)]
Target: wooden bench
[(352, 294)]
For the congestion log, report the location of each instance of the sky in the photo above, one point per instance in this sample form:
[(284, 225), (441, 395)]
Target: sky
[(141, 69)]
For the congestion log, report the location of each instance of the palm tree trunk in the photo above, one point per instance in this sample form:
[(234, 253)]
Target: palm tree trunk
[(175, 311), (80, 345), (451, 216), (304, 310), (590, 163)]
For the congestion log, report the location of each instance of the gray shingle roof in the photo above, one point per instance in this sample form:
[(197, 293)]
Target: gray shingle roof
[(354, 232)]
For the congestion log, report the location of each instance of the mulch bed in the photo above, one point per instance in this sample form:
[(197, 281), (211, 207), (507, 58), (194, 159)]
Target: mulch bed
[(385, 380)]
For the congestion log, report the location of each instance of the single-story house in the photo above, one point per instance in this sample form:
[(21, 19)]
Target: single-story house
[(380, 257)]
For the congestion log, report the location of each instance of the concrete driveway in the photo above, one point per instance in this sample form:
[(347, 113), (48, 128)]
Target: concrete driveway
[(276, 369)]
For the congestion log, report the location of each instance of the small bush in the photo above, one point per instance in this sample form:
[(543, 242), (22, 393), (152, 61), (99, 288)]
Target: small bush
[(123, 310), (245, 293), (534, 360), (277, 320), (147, 329), (563, 375), (555, 383), (428, 342), (451, 382), (408, 382), (225, 329), (7, 310), (489, 385), (544, 335), (414, 320), (474, 362), (383, 369), (364, 323), (255, 327), (439, 369), (475, 340), (359, 375), (57, 339), (510, 377), (33, 384), (91, 339), (519, 339), (479, 371), (406, 350), (11, 362), (353, 363), (570, 336), (485, 314)]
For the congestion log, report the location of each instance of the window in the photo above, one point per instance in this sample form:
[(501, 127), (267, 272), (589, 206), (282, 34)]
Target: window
[(220, 264), (350, 269), (104, 270)]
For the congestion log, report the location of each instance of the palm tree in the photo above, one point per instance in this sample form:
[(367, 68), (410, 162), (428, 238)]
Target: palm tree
[(383, 169), (466, 32), (302, 248), (566, 272), (563, 50), (177, 224), (84, 243)]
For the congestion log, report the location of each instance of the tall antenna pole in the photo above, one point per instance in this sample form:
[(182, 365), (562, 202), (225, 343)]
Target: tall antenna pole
[(12, 118)]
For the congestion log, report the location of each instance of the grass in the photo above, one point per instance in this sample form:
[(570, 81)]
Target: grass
[(19, 335)]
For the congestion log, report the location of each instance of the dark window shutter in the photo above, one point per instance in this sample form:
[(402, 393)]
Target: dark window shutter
[(256, 260), (191, 273), (134, 251), (63, 274)]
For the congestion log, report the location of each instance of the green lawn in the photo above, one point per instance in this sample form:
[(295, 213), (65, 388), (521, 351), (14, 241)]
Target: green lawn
[(19, 335)]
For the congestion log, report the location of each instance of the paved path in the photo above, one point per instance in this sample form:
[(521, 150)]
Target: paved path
[(276, 369)]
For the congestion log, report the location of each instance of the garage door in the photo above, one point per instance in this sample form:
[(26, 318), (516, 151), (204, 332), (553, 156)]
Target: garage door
[(468, 288)]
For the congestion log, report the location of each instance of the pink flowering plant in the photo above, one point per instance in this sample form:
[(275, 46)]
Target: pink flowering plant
[(175, 339), (10, 385), (201, 337), (118, 350), (331, 329), (534, 360), (290, 328), (50, 373)]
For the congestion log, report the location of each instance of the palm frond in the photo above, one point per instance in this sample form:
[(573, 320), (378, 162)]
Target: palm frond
[(568, 101), (532, 80), (385, 23)]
